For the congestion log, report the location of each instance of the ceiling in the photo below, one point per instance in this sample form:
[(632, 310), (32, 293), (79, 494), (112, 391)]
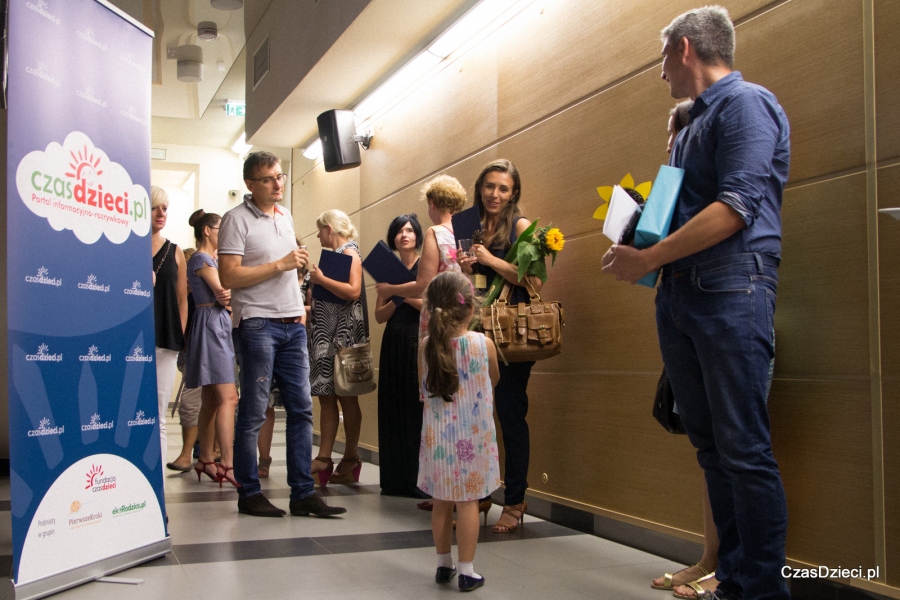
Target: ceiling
[(387, 33)]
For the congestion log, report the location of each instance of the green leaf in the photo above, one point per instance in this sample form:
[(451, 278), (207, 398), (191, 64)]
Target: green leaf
[(512, 258), (539, 269)]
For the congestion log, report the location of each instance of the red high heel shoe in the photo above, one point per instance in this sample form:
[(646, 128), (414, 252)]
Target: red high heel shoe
[(323, 472), (226, 474), (344, 475), (200, 467)]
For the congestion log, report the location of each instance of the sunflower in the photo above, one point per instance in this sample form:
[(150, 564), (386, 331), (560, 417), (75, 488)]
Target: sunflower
[(605, 192), (554, 240)]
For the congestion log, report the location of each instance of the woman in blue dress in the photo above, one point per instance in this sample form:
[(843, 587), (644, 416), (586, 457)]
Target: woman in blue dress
[(210, 352)]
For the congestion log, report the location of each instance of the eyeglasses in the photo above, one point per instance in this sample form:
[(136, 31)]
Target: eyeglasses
[(270, 180), (213, 227)]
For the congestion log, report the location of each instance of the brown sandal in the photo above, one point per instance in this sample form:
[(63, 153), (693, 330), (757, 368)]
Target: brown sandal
[(517, 512)]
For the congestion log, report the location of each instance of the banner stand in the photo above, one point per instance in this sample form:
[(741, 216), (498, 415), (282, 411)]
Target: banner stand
[(63, 581)]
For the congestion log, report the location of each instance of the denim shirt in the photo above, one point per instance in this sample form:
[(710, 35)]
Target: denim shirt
[(736, 150)]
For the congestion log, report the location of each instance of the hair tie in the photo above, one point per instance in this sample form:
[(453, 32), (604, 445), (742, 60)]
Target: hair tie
[(437, 310), (460, 297)]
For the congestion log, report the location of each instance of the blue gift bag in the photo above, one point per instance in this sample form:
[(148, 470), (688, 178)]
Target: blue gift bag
[(657, 216)]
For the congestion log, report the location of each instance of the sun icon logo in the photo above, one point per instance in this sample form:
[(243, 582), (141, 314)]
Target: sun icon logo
[(45, 422), (84, 166), (95, 418), (139, 415), (42, 349), (136, 285), (94, 472), (138, 351), (92, 279), (92, 351), (627, 182), (42, 271)]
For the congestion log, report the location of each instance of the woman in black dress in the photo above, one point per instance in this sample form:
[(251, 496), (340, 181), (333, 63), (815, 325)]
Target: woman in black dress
[(399, 409)]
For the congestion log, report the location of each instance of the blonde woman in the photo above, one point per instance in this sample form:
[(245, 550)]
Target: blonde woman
[(169, 305), (343, 324)]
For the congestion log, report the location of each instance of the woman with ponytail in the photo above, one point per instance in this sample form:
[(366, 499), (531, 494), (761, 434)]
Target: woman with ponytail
[(210, 352), (458, 457)]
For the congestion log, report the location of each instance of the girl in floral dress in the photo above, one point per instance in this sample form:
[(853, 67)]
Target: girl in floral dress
[(458, 459)]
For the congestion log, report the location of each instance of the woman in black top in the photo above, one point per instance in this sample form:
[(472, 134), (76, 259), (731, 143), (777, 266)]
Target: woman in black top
[(169, 306), (497, 193), (399, 409)]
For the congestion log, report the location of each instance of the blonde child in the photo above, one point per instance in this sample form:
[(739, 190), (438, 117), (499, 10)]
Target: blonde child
[(458, 460)]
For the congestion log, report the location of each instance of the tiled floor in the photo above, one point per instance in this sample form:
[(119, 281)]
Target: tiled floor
[(381, 549)]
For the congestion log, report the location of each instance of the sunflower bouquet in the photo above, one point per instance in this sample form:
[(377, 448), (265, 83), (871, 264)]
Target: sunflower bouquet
[(528, 254)]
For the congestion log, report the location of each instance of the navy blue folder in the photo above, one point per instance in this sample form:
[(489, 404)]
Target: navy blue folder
[(334, 266), (384, 267)]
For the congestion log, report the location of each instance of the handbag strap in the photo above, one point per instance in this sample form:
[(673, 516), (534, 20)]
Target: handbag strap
[(507, 290)]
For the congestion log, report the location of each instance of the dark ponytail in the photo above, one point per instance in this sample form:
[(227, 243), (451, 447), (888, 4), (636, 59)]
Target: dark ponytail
[(200, 220), (449, 299)]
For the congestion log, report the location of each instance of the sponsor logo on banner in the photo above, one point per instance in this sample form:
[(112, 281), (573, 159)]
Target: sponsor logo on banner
[(140, 419), (96, 424), (94, 355), (137, 355), (45, 429), (127, 509), (76, 186), (88, 94), (42, 278), (129, 60), (87, 34), (92, 285), (41, 72), (98, 481), (43, 355), (40, 7), (136, 290), (132, 114), (89, 519)]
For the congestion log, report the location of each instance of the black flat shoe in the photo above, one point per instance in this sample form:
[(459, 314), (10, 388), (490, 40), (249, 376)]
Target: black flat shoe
[(175, 467), (444, 574), (467, 584), (258, 505)]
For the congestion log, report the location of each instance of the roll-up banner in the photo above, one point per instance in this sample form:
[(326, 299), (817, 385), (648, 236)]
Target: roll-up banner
[(85, 466)]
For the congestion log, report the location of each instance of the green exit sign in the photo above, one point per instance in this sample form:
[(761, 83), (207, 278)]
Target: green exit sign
[(235, 109)]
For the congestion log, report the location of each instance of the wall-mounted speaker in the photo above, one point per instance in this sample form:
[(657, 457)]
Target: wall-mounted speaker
[(336, 131)]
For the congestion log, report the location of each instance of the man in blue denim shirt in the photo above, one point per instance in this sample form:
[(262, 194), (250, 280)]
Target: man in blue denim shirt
[(715, 305)]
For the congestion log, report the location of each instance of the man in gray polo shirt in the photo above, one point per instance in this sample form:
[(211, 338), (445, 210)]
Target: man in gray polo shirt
[(258, 261)]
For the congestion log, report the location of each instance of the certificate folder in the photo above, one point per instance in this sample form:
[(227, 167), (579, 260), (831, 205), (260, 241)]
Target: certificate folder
[(384, 267), (466, 223), (334, 266)]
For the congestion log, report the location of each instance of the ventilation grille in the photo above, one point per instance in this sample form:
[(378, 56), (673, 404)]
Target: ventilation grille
[(261, 63)]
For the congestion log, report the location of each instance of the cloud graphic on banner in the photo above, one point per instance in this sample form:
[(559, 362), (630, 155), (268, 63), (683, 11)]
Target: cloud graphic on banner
[(76, 186)]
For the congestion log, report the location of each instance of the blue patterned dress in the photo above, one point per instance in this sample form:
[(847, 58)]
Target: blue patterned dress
[(458, 458)]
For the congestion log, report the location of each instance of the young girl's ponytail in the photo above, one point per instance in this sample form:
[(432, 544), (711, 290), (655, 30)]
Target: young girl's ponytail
[(449, 298)]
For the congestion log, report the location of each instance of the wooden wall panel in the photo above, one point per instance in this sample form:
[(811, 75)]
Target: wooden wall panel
[(569, 49), (318, 191), (594, 437), (887, 86), (821, 435), (809, 54), (452, 116), (889, 290), (821, 321)]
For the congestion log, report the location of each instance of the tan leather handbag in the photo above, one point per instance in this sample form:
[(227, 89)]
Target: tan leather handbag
[(524, 332), (354, 370)]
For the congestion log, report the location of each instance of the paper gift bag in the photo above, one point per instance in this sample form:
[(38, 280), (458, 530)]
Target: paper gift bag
[(657, 216)]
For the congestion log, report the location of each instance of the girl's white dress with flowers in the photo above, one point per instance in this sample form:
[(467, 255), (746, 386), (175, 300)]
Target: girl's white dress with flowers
[(458, 457)]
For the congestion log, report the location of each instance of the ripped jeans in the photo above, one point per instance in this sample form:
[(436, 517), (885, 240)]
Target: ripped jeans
[(264, 348)]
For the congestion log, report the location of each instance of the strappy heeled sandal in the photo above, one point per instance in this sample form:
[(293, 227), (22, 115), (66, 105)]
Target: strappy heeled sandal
[(667, 578), (344, 475), (200, 467), (697, 587), (323, 473), (517, 512)]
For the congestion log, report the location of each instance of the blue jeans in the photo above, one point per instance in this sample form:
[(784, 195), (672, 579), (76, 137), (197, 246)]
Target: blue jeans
[(264, 348), (716, 332)]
